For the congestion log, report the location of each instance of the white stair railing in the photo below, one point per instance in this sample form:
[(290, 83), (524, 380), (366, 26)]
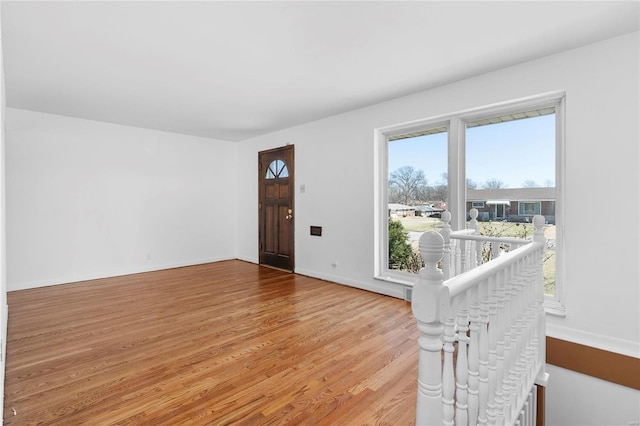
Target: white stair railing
[(494, 313)]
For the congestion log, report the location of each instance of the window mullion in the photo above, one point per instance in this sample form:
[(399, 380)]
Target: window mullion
[(456, 173)]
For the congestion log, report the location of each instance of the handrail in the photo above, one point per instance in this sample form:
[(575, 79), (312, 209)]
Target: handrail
[(461, 283), (463, 232), (510, 240), (494, 311)]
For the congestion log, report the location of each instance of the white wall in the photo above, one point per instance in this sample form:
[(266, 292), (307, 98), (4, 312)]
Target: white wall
[(3, 258), (608, 404), (335, 161), (87, 199)]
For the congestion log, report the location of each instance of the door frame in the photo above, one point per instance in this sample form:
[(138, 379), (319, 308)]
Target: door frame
[(287, 150)]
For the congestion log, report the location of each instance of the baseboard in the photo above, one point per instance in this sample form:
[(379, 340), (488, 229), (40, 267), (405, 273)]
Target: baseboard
[(3, 362), (110, 274), (396, 290), (388, 289), (606, 343), (610, 366), (249, 259)]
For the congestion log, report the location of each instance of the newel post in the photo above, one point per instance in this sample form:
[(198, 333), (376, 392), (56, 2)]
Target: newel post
[(473, 222), (541, 332), (445, 231), (538, 225), (430, 299), (477, 245)]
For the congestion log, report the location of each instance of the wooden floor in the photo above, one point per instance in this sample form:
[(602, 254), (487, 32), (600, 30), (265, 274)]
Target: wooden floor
[(221, 343)]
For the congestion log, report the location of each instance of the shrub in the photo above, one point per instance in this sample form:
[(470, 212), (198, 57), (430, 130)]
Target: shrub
[(400, 252)]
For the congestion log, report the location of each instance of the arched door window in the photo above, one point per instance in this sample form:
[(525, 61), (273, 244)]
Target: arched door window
[(277, 169)]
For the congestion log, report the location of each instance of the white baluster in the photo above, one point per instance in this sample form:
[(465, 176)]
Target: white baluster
[(523, 327), (495, 250), (463, 255), (507, 350), (534, 406), (528, 321), (516, 370), (462, 366), (483, 343), (448, 379), (500, 362), (474, 355), (493, 343), (456, 253), (429, 296), (517, 334)]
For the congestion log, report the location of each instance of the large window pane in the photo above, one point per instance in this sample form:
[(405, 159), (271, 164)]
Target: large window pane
[(510, 170), (417, 193)]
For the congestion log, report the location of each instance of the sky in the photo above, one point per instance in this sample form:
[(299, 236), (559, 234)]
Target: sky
[(513, 152)]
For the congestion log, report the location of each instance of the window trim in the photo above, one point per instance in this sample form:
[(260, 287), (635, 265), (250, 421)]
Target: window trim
[(381, 217), (456, 123), (477, 204)]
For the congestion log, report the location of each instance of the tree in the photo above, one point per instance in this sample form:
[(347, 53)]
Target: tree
[(493, 184), (530, 184), (406, 185), (471, 184), (424, 193), (440, 191), (399, 248)]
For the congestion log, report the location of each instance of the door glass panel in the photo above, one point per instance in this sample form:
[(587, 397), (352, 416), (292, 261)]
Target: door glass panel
[(270, 173), (277, 169)]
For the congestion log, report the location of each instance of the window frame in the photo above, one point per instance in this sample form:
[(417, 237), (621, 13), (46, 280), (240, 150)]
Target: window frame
[(523, 204), (477, 204), (381, 187), (456, 124), (277, 172)]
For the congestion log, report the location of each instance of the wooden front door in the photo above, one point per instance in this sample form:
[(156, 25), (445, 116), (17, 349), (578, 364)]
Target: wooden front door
[(276, 215)]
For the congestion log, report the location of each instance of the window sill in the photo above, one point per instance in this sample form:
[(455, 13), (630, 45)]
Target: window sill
[(404, 279), (551, 306), (554, 308)]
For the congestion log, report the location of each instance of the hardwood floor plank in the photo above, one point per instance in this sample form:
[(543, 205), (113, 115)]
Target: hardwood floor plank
[(222, 343)]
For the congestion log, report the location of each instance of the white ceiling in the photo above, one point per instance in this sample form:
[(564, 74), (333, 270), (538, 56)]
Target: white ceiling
[(234, 70)]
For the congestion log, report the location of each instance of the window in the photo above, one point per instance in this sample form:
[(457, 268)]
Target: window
[(513, 157), (528, 209), (417, 192), (277, 169), (521, 176)]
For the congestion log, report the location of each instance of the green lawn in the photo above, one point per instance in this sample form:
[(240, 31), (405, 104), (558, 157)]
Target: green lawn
[(501, 229), (420, 224)]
